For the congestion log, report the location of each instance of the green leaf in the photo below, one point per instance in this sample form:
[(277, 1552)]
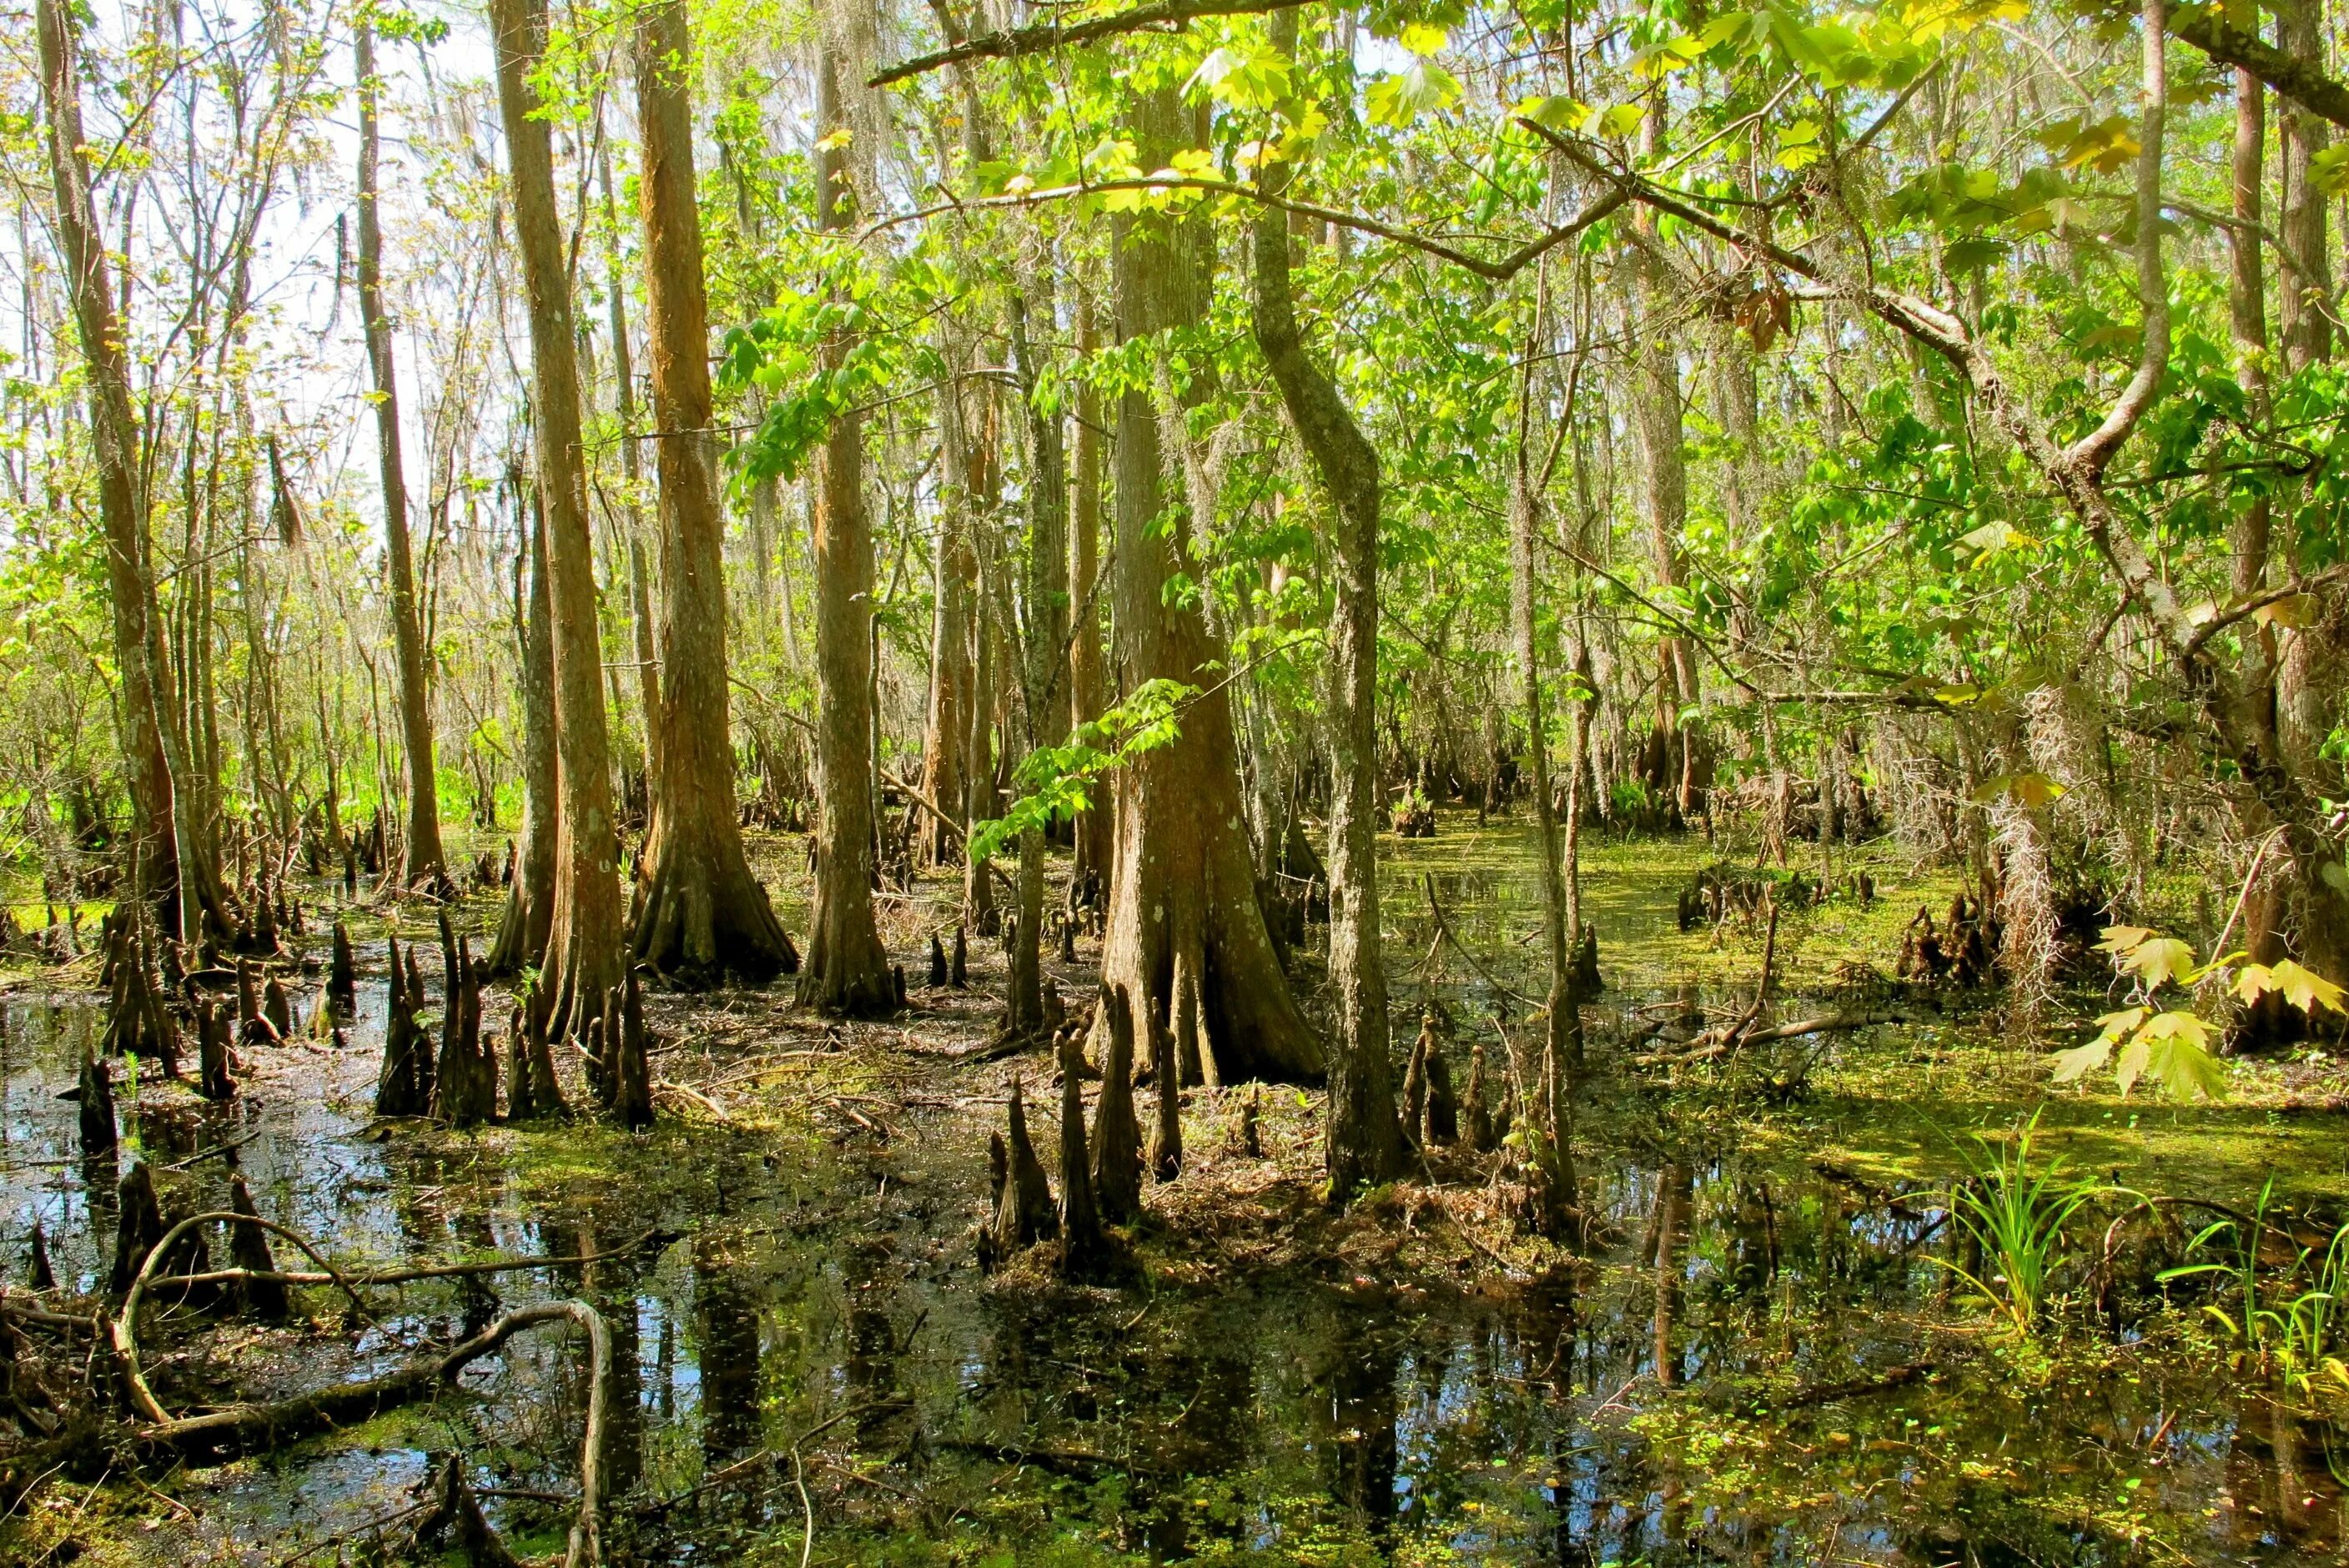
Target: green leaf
[(2081, 1060), (1397, 100)]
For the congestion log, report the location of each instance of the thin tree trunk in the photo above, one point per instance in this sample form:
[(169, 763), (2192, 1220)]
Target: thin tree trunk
[(946, 729), (529, 898), (1184, 900), (1093, 827), (1363, 1141), (700, 914), (583, 956), (423, 867), (1044, 590), (171, 863), (848, 968), (623, 402)]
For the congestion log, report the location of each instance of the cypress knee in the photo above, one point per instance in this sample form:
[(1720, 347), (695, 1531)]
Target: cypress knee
[(937, 962), (1024, 1213), (1116, 1154), (96, 1092), (1082, 1242), (342, 970), (137, 1226), (248, 1248)]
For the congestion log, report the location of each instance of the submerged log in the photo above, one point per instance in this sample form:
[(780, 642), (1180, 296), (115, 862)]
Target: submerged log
[(1115, 1158), (1024, 1211)]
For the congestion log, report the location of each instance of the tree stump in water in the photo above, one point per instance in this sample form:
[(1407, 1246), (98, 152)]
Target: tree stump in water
[(1024, 1213), (1585, 963), (38, 1275), (96, 1092), (937, 963), (1115, 1165), (137, 1226), (1068, 941), (1083, 1244), (277, 1008), (1248, 1136), (1166, 1129), (404, 1086), (1441, 1126), (248, 1249), (1415, 1080), (1475, 1115), (212, 1079), (254, 1030), (342, 970), (632, 1086)]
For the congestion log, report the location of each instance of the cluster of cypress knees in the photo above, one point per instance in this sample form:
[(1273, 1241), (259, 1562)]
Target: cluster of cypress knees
[(460, 1085), (1103, 1170)]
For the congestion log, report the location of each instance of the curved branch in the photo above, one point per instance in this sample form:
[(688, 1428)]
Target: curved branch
[(1042, 38), (2297, 79)]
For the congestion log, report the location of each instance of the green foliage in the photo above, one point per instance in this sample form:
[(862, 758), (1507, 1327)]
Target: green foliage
[(1058, 781), (2015, 1213)]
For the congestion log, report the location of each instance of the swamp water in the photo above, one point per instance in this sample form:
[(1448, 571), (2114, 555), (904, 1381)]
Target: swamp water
[(1761, 1362)]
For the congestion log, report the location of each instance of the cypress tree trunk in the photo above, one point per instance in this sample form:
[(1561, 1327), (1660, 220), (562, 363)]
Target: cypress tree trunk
[(1093, 827), (700, 914), (583, 951), (1183, 910), (530, 896), (624, 403), (1363, 1143), (424, 868), (946, 729), (1044, 704), (848, 968)]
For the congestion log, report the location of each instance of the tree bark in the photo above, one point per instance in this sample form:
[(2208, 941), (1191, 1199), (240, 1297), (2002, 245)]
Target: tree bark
[(700, 914), (530, 896), (423, 867), (1363, 1142), (583, 955), (1663, 467), (946, 729), (848, 968), (1093, 827), (1044, 592)]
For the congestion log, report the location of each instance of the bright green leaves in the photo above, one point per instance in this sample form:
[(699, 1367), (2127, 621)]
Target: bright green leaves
[(2034, 791), (2108, 146), (1245, 74), (1399, 99), (2172, 1046), (1056, 782), (818, 355)]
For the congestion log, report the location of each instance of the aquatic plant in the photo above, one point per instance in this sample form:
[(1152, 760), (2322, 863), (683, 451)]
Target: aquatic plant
[(2292, 1321), (2015, 1210)]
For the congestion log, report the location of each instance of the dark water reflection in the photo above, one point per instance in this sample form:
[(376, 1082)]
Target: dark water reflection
[(1602, 1419)]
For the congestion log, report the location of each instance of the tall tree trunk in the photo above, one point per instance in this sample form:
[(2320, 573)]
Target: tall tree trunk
[(1663, 466), (529, 898), (1044, 593), (172, 864), (700, 914), (423, 867), (583, 951), (946, 729), (624, 403), (1362, 1141), (848, 968), (1550, 1117), (1094, 826), (1183, 918)]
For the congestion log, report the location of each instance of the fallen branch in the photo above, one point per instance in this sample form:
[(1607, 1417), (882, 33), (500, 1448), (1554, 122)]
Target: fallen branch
[(1721, 1042), (1881, 1382)]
